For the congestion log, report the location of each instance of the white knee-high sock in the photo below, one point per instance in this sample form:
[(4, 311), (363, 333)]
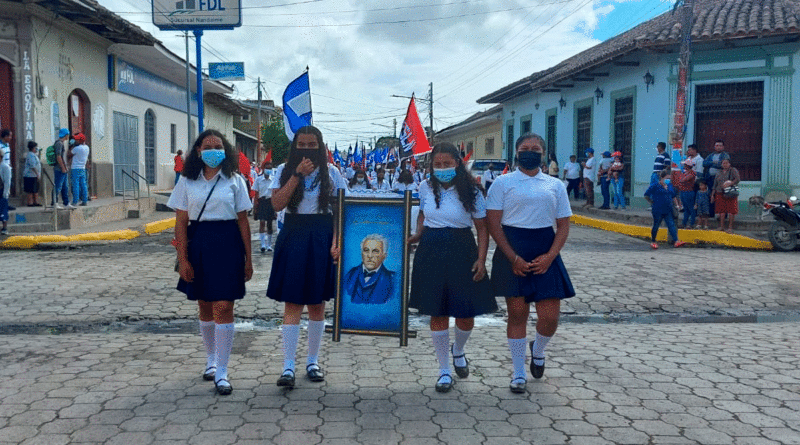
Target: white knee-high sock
[(263, 237), (315, 331), (537, 352), (269, 239), (441, 344), (518, 347), (224, 341), (290, 334), (459, 343), (207, 331)]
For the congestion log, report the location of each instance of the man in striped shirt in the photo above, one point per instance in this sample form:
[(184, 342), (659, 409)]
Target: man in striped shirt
[(662, 162)]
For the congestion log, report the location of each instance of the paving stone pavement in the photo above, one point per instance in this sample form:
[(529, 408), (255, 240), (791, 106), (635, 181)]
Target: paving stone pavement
[(614, 275), (98, 347), (604, 384)]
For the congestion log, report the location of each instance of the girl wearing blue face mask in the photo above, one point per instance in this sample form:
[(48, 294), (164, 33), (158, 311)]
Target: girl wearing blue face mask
[(213, 242), (521, 209), (449, 274), (662, 196)]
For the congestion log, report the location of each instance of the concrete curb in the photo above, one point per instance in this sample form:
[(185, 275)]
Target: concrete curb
[(689, 236), (159, 226), (29, 242)]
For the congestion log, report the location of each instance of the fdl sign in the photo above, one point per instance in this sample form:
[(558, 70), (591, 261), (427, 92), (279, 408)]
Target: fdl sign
[(197, 14)]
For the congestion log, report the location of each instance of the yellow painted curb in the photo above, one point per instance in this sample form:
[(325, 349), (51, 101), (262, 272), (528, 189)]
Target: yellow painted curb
[(28, 242), (690, 236), (159, 226)]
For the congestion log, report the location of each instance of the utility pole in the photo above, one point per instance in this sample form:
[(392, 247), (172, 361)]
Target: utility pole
[(430, 109), (429, 101), (188, 98), (258, 131), (684, 60), (394, 126)]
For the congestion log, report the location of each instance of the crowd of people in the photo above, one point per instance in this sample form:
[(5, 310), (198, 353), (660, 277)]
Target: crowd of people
[(67, 157), (449, 278), (700, 188)]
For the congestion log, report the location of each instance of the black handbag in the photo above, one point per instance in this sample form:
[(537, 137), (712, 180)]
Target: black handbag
[(730, 192)]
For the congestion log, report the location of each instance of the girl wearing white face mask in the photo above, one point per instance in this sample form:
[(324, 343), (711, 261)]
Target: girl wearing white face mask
[(359, 181), (213, 242), (449, 275)]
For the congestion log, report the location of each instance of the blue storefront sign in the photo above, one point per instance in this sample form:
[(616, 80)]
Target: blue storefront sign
[(226, 71), (130, 79)]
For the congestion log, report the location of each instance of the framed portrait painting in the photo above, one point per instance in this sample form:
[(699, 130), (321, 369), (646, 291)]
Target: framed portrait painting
[(372, 275)]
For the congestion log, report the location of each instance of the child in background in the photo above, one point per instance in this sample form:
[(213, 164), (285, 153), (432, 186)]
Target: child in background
[(661, 196), (703, 206), (263, 211)]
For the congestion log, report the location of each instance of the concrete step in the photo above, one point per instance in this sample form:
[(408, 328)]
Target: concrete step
[(30, 227), (96, 213)]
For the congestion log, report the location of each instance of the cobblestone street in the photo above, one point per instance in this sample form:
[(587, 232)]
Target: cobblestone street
[(100, 348)]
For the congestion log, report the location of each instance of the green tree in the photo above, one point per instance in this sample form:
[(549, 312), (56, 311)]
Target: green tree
[(274, 138)]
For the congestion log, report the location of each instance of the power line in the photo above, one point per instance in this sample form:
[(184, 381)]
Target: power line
[(519, 48)]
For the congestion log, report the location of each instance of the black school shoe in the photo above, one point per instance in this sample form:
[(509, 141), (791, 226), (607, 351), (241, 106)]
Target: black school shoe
[(286, 379), (223, 386), (209, 373), (445, 383), (537, 371), (314, 373), (461, 371)]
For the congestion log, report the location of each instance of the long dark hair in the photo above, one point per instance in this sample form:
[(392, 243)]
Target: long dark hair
[(193, 165), (354, 181), (405, 177), (464, 182), (320, 160)]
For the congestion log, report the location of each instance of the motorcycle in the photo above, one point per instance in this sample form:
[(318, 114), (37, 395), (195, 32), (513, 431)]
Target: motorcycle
[(784, 233)]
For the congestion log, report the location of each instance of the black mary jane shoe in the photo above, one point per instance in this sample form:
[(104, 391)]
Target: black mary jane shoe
[(461, 371), (518, 385), (314, 373), (209, 373), (445, 383), (223, 386), (537, 371), (286, 379)]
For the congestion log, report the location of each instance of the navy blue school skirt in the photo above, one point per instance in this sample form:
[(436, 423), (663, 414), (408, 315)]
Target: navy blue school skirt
[(302, 267), (216, 253), (529, 244), (441, 281)]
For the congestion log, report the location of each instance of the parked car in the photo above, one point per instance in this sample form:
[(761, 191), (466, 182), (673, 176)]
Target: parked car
[(478, 166)]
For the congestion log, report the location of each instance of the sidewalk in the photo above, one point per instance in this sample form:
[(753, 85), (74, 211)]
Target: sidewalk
[(604, 384), (750, 232)]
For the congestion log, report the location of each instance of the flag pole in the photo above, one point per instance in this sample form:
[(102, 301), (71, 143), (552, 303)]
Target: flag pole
[(309, 97)]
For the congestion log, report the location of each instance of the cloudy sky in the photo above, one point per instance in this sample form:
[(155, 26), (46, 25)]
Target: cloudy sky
[(360, 53)]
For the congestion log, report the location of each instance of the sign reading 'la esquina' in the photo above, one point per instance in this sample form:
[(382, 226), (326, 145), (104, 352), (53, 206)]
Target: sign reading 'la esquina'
[(197, 14)]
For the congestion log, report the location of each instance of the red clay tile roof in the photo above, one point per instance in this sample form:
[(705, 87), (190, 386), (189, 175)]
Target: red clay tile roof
[(713, 20)]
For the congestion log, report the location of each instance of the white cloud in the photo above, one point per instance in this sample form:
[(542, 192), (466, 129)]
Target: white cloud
[(357, 65)]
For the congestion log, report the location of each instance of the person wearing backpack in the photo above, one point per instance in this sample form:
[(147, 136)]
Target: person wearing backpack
[(60, 170)]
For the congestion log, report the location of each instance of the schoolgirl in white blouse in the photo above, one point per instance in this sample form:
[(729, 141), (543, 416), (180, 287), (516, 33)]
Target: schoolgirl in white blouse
[(213, 242), (449, 274), (305, 251), (521, 209)]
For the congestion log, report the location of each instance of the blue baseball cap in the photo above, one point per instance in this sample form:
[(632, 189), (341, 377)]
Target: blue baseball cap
[(590, 150), (63, 132), (606, 154)]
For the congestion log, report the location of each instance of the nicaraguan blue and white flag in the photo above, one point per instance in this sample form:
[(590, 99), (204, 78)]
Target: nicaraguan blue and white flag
[(297, 105)]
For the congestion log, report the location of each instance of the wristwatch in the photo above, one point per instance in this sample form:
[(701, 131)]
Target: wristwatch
[(298, 174)]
